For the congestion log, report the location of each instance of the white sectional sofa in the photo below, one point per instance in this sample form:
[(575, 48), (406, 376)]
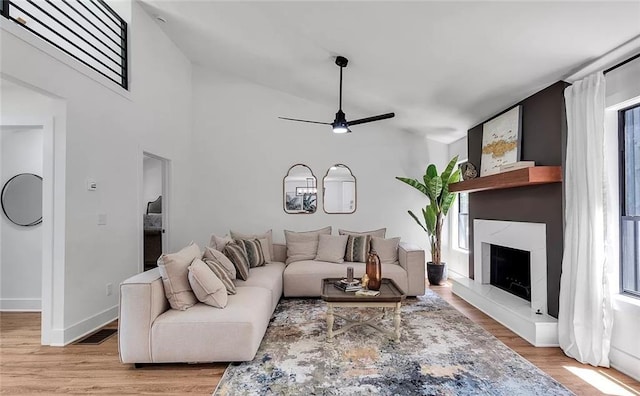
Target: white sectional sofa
[(151, 332)]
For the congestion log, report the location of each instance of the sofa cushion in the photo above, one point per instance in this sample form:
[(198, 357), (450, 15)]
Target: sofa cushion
[(304, 278), (386, 249), (358, 247), (268, 235), (239, 258), (380, 233), (217, 255), (268, 276), (254, 251), (174, 269), (332, 248), (205, 334), (211, 258), (266, 249), (207, 287), (303, 245), (218, 242)]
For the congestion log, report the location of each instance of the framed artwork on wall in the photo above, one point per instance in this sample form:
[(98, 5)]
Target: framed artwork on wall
[(501, 138), (293, 202)]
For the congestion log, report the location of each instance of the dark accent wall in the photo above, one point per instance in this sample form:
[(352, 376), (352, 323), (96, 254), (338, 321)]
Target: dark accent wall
[(543, 140)]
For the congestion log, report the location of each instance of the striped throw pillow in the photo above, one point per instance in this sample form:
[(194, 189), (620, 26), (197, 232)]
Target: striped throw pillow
[(221, 271), (239, 258), (357, 248), (253, 248)]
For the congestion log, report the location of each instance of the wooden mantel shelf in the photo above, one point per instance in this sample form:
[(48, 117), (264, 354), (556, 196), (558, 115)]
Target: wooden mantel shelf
[(516, 178)]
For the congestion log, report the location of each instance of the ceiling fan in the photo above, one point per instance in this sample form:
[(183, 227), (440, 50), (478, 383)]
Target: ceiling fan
[(340, 124)]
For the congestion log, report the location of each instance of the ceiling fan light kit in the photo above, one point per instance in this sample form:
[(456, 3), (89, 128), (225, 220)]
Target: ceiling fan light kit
[(340, 123)]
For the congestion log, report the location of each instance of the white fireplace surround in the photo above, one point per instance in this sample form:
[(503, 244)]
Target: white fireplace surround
[(516, 313), (531, 237)]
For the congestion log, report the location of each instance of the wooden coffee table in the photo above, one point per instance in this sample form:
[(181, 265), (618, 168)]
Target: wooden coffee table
[(390, 297)]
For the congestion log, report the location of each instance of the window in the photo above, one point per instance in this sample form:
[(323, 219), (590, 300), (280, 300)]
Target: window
[(629, 121), (89, 31), (463, 221)]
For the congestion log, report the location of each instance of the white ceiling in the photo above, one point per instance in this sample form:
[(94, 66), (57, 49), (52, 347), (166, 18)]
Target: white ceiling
[(442, 67)]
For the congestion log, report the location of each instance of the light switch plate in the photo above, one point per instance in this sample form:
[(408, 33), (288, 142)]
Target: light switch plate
[(92, 185), (102, 219)]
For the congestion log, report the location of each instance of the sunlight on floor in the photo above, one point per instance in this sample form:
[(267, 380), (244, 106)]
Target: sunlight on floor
[(603, 383)]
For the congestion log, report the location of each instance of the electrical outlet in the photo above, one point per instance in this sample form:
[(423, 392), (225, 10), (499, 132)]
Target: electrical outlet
[(109, 289)]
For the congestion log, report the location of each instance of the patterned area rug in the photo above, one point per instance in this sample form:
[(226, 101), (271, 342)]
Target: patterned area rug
[(441, 352)]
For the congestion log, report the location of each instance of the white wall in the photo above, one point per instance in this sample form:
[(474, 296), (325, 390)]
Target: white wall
[(152, 180), (21, 250), (622, 90), (106, 132), (242, 151)]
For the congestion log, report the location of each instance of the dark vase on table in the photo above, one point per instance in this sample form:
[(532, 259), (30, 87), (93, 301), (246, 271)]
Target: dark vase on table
[(374, 271)]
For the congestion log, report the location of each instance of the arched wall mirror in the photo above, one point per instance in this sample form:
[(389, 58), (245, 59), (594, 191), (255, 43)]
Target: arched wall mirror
[(22, 199), (300, 194), (339, 190)]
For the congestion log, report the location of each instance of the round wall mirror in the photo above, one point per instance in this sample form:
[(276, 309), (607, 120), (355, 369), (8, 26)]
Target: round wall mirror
[(300, 190), (22, 199), (339, 190)]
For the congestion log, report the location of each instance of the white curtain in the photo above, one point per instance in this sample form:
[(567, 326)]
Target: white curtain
[(585, 316)]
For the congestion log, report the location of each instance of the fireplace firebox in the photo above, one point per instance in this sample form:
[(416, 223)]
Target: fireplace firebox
[(511, 270)]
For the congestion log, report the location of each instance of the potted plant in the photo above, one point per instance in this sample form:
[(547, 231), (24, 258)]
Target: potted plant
[(436, 188)]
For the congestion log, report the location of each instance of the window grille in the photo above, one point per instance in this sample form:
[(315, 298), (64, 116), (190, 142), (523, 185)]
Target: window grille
[(88, 30)]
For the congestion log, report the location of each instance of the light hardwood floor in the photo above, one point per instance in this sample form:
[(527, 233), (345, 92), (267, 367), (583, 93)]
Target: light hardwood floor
[(26, 367)]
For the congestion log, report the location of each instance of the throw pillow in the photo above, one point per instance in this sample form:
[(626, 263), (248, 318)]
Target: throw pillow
[(303, 245), (239, 258), (357, 248), (218, 256), (264, 242), (332, 248), (386, 249), (254, 252), (221, 270), (268, 235), (206, 285), (174, 269), (380, 233), (218, 242)]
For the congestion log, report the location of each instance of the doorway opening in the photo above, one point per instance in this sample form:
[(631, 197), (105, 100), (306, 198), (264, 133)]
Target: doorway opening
[(154, 207)]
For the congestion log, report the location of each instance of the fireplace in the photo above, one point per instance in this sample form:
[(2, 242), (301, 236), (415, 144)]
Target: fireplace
[(511, 270), (510, 278), (530, 237)]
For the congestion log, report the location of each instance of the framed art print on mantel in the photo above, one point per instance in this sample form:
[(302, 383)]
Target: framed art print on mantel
[(501, 141)]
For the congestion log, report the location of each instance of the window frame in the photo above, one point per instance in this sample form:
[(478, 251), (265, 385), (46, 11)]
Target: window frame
[(622, 199), (458, 212)]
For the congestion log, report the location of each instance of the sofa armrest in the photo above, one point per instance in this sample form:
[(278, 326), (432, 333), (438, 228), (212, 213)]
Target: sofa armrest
[(142, 300), (279, 252), (411, 258)]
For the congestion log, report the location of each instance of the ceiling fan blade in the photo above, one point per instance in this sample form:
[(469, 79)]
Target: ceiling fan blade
[(371, 119), (311, 122)]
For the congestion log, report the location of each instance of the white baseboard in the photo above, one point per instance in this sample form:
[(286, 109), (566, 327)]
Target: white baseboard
[(62, 337), (20, 304), (625, 363)]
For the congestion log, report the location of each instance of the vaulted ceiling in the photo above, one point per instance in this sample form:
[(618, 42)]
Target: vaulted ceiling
[(441, 66)]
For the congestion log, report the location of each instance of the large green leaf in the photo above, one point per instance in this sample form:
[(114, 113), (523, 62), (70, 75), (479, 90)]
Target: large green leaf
[(431, 171), (455, 177), (447, 172), (418, 221), (434, 188), (447, 201), (430, 218), (415, 184)]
